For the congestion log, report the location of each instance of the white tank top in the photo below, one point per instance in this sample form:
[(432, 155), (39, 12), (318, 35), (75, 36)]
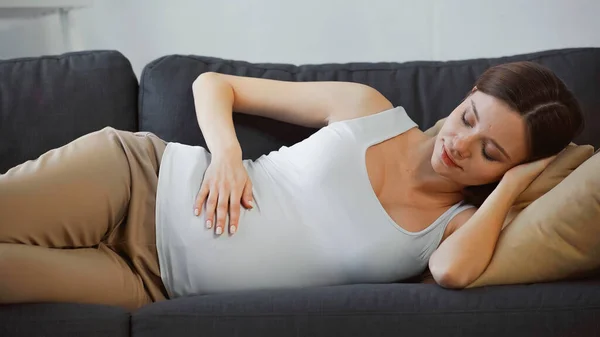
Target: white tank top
[(316, 220)]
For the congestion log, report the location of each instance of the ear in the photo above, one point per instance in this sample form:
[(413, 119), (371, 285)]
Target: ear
[(474, 89)]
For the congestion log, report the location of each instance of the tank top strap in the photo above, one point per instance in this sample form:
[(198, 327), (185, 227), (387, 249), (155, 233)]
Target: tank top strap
[(376, 128), (433, 237), (463, 205), (451, 213), (442, 222)]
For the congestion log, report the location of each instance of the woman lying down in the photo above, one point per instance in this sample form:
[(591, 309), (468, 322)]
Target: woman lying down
[(127, 219)]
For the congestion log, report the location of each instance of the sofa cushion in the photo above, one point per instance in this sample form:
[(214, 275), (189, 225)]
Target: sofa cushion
[(564, 164), (48, 101), (554, 238), (428, 91), (63, 320), (557, 309)]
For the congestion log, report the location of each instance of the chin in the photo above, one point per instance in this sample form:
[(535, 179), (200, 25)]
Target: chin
[(439, 167), (443, 171)]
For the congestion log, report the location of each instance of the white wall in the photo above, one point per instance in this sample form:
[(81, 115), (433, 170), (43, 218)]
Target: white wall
[(313, 31)]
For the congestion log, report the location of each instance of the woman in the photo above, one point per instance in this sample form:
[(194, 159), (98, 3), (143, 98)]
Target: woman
[(367, 198)]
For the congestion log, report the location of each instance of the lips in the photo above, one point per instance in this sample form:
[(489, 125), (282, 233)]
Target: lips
[(447, 159)]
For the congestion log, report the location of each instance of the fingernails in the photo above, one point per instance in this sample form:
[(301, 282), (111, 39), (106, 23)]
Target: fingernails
[(208, 224), (250, 203), (219, 230), (232, 229), (196, 211)]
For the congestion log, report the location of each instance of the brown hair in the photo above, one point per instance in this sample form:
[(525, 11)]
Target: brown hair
[(552, 114)]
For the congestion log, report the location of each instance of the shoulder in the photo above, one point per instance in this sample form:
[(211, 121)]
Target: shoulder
[(371, 102)]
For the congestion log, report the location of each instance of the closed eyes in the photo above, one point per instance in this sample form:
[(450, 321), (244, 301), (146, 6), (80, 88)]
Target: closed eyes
[(484, 143)]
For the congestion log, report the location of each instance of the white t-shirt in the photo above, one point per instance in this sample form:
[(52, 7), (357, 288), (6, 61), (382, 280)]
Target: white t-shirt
[(316, 220)]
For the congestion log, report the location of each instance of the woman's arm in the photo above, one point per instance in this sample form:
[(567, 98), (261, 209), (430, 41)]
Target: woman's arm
[(226, 185), (465, 254), (311, 104)]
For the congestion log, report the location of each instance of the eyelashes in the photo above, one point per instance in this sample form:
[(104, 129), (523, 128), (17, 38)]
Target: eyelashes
[(464, 119), (483, 152)]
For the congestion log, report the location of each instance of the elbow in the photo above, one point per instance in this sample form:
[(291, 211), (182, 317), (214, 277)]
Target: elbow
[(448, 280), (448, 277), (204, 79), (211, 83), (210, 80)]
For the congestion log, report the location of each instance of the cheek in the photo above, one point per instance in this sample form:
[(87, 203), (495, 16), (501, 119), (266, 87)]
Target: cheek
[(450, 126), (483, 172)]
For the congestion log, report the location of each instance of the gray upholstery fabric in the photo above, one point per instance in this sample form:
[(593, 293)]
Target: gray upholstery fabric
[(425, 310), (428, 90), (46, 102), (64, 320)]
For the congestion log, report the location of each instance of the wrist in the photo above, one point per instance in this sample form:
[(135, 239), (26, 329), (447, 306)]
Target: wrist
[(228, 152), (510, 187)]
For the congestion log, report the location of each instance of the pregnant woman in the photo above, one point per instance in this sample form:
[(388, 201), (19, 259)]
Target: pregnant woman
[(126, 219)]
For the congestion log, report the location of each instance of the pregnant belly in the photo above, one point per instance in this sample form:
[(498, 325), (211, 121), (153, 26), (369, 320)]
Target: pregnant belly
[(263, 254)]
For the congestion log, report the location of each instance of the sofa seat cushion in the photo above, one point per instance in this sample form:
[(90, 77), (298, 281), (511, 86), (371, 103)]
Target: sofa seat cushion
[(399, 309), (64, 320)]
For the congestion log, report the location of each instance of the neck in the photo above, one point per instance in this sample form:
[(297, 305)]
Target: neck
[(423, 177), (409, 176)]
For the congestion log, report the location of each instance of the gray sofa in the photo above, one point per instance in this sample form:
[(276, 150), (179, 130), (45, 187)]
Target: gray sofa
[(47, 102)]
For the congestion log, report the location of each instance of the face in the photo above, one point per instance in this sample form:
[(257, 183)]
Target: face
[(481, 140)]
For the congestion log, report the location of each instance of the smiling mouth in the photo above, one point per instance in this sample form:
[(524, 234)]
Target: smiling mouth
[(447, 159)]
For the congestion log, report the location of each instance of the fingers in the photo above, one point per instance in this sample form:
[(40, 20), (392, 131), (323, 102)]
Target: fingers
[(217, 207), (550, 159), (541, 164), (222, 207), (222, 201), (234, 212), (247, 195), (202, 195), (211, 204)]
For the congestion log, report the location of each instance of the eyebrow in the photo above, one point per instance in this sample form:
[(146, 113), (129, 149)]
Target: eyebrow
[(491, 140)]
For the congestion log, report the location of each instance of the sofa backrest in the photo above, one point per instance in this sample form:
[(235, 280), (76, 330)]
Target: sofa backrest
[(46, 102), (428, 90)]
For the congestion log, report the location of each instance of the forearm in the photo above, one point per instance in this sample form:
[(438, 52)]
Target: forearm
[(465, 254), (213, 101)]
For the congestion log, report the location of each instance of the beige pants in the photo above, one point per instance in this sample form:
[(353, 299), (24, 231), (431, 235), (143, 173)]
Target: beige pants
[(77, 224)]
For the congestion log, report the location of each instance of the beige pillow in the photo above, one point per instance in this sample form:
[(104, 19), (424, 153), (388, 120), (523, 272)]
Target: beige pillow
[(556, 237), (565, 163), (435, 129)]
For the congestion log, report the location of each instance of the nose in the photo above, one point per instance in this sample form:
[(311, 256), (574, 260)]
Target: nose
[(461, 145)]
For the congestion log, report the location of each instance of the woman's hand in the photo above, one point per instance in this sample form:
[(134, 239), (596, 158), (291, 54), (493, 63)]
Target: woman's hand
[(521, 176), (225, 187)]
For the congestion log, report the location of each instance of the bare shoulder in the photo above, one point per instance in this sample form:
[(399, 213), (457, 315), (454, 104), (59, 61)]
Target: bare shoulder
[(458, 220), (371, 102)]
